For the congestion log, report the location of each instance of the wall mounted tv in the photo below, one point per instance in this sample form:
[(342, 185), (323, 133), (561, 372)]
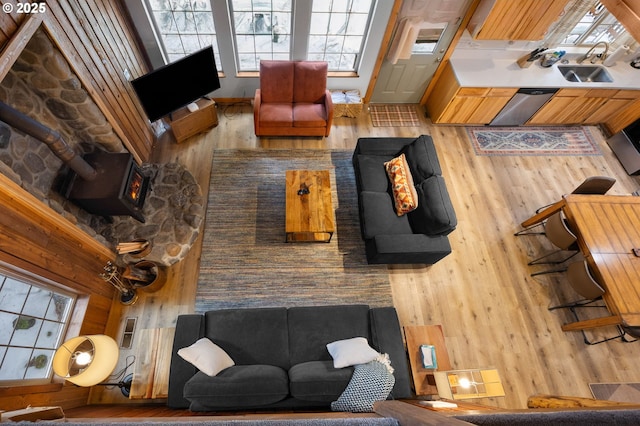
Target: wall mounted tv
[(177, 84)]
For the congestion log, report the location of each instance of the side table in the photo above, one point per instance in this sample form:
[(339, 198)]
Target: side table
[(416, 335), (153, 349)]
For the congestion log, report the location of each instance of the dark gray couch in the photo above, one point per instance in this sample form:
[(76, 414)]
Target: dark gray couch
[(280, 355), (416, 237)]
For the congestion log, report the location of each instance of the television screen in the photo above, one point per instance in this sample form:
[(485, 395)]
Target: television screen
[(177, 84)]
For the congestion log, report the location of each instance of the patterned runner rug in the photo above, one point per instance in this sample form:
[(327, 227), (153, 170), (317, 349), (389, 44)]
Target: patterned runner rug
[(575, 140), (619, 392), (245, 261), (393, 115)]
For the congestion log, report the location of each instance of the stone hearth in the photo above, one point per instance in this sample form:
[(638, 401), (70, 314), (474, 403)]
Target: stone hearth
[(173, 214)]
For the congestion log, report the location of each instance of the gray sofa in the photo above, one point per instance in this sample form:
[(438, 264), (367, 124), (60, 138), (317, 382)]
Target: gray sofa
[(281, 356), (420, 236)]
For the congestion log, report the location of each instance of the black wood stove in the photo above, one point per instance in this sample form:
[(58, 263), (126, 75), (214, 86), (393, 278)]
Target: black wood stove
[(118, 189)]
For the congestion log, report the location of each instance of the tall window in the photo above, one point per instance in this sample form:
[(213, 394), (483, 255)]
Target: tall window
[(595, 26), (326, 30), (184, 26), (262, 31), (337, 33), (33, 320)]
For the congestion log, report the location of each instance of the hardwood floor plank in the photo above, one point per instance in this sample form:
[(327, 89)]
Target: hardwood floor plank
[(492, 312)]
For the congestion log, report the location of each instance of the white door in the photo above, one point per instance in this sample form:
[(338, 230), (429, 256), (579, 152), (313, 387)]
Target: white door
[(407, 79)]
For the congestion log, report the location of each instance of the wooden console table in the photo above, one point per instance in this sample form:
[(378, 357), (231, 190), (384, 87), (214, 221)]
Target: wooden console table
[(185, 123), (416, 335), (153, 349)]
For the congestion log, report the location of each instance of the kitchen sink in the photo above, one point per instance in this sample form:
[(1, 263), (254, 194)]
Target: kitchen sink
[(585, 73)]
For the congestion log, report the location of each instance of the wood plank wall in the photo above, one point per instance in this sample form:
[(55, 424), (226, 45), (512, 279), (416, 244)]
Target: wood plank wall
[(99, 44)]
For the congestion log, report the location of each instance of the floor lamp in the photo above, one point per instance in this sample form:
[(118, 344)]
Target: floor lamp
[(88, 360)]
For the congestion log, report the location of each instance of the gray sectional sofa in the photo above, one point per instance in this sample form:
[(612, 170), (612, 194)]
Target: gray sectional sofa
[(420, 236), (280, 355)]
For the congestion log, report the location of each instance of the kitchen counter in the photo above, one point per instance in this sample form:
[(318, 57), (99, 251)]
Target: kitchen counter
[(487, 68)]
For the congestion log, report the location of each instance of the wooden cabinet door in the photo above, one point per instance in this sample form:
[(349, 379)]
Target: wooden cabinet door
[(475, 105), (626, 113), (461, 109), (569, 106), (515, 20)]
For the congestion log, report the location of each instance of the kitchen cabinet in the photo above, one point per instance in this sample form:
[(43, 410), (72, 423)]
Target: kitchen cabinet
[(628, 104), (571, 106), (618, 102), (451, 104), (514, 20), (585, 106)]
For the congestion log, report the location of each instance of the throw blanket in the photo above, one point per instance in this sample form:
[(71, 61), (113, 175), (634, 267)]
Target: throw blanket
[(370, 382)]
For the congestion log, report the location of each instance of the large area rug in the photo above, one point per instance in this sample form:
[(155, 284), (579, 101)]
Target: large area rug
[(393, 115), (245, 261), (619, 392), (574, 140)]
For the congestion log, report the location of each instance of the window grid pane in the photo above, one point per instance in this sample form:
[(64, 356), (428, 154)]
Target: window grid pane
[(185, 27), (32, 323), (262, 30), (337, 32)]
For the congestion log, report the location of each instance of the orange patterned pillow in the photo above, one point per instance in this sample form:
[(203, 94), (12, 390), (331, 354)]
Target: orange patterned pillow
[(405, 197)]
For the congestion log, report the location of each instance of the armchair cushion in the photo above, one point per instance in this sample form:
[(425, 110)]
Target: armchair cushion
[(379, 216), (318, 380), (276, 114), (435, 214), (240, 385), (309, 115), (276, 81), (422, 158), (310, 81), (372, 175)]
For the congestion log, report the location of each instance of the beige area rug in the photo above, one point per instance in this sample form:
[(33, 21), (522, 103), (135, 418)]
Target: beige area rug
[(619, 392), (245, 261)]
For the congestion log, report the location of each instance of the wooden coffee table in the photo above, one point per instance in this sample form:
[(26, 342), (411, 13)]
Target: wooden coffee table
[(309, 210)]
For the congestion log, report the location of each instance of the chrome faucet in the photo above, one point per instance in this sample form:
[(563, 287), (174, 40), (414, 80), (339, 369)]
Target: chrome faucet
[(592, 56)]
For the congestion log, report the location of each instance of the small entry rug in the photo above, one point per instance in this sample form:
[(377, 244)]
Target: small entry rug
[(522, 141), (619, 392), (393, 115), (245, 260)]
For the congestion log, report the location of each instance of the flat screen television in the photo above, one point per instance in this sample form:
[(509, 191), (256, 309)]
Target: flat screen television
[(177, 84)]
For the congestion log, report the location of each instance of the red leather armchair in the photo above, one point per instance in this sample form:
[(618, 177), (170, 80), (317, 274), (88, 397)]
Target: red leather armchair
[(293, 99)]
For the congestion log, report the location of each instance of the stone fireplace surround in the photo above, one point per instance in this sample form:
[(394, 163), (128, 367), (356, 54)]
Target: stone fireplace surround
[(42, 85)]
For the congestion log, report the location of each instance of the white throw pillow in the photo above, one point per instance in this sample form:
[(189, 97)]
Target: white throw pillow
[(206, 356), (350, 352)]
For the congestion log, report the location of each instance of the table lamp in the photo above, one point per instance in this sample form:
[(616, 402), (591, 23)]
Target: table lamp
[(467, 384), (88, 360)]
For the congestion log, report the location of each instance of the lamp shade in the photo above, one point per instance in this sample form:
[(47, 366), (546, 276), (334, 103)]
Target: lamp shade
[(86, 360)]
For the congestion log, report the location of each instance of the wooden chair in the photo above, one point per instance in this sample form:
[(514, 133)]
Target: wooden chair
[(595, 185), (583, 282), (558, 233)]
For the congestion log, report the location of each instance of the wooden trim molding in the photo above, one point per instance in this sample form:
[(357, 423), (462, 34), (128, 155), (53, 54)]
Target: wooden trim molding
[(32, 389), (16, 45)]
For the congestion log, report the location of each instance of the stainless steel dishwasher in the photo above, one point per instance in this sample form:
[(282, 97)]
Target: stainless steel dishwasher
[(522, 106)]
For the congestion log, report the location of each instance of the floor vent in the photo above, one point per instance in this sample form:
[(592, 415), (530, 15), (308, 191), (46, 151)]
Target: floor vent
[(127, 335)]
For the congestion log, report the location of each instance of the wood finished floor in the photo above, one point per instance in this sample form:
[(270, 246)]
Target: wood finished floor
[(492, 312)]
